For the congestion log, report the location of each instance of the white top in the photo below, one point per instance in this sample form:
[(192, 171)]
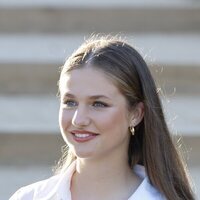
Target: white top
[(58, 188)]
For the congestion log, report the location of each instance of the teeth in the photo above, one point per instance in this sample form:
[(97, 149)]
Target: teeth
[(81, 135)]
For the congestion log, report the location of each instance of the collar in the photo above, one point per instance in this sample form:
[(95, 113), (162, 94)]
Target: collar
[(61, 189)]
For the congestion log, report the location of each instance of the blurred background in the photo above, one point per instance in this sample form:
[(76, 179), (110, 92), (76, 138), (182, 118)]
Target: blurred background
[(35, 39)]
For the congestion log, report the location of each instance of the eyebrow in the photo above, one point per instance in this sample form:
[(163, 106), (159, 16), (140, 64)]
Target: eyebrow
[(90, 97)]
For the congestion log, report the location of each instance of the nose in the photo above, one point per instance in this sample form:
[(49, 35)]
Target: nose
[(80, 118)]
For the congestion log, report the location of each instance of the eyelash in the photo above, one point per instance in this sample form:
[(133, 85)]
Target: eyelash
[(96, 104), (66, 103), (102, 105)]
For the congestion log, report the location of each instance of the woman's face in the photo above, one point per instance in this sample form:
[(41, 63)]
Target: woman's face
[(93, 117)]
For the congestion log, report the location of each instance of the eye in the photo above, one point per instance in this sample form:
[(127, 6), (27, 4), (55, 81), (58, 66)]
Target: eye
[(70, 103), (99, 104)]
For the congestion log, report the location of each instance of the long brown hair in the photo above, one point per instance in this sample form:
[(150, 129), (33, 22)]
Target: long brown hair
[(152, 145)]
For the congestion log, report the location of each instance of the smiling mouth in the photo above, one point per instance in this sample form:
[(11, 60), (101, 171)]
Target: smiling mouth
[(81, 136)]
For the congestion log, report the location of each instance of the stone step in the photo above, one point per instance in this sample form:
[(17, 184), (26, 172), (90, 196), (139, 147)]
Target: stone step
[(24, 149), (30, 63), (170, 49), (95, 4), (29, 114), (29, 78), (39, 114), (101, 16), (20, 176)]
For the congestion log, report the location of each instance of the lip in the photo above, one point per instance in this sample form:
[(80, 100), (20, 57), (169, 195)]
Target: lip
[(83, 132), (88, 135)]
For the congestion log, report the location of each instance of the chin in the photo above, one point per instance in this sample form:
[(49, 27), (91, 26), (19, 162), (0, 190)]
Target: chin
[(83, 153)]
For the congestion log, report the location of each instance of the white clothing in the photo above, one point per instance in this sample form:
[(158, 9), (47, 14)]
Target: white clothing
[(58, 188)]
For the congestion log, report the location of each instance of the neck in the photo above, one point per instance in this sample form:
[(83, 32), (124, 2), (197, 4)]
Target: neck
[(102, 178), (98, 169)]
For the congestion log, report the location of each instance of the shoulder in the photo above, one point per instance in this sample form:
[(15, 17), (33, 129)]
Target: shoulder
[(146, 190), (55, 187), (40, 188)]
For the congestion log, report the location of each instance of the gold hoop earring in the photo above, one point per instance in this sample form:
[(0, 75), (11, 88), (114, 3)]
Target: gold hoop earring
[(132, 129)]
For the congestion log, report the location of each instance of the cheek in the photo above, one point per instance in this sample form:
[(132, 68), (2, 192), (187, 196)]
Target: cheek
[(64, 119), (114, 121)]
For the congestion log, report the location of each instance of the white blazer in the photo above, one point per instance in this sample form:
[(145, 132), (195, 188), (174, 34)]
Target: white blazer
[(58, 188)]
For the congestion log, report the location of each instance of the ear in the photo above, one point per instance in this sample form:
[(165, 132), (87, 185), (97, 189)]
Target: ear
[(137, 114)]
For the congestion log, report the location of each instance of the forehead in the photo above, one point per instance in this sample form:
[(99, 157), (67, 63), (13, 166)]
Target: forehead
[(88, 81)]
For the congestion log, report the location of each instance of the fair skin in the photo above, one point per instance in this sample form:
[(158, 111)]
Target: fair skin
[(94, 121)]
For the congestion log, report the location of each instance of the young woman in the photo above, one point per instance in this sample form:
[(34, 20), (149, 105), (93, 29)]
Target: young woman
[(111, 118)]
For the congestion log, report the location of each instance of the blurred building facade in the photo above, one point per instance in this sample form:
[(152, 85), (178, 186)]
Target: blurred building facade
[(35, 39)]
